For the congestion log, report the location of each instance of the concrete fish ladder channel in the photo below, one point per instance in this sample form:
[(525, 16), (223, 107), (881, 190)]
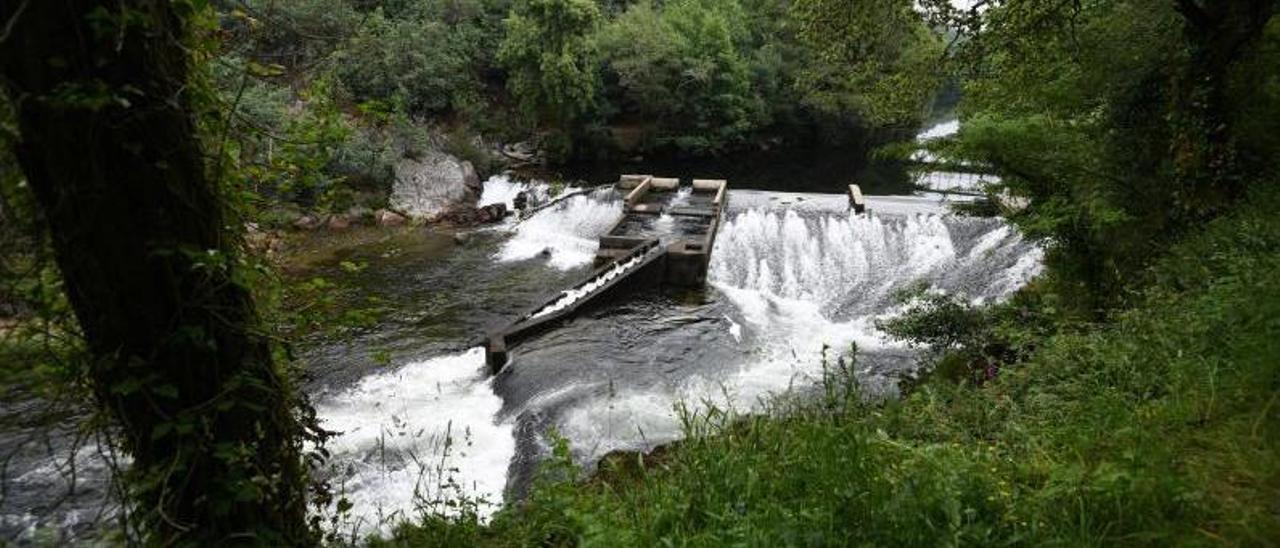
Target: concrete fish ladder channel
[(665, 236)]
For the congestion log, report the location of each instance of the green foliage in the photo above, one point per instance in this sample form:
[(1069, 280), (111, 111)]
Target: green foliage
[(875, 60), (1082, 109), (294, 33), (281, 145), (429, 64), (683, 68), (552, 60)]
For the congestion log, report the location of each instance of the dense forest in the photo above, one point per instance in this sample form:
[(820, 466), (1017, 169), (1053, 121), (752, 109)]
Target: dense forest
[(159, 154)]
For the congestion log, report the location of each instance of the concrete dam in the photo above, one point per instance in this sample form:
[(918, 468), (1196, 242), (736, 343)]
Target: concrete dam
[(665, 237)]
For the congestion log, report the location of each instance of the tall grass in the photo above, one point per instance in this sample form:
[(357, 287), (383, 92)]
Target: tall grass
[(1159, 427)]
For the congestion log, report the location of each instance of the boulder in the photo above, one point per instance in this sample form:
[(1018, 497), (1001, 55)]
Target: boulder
[(523, 152), (431, 185), (493, 213), (521, 201), (339, 222), (388, 218), (306, 222), (472, 216)]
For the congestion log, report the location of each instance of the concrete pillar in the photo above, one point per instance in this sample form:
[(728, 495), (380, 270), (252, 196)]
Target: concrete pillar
[(856, 200), (662, 183), (628, 182), (495, 353), (638, 192)]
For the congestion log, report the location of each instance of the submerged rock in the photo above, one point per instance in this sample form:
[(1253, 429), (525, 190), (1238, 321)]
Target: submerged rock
[(429, 186), (523, 152), (472, 216), (388, 218)]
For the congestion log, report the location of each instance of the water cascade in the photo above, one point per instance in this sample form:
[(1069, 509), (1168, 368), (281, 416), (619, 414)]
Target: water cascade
[(790, 275)]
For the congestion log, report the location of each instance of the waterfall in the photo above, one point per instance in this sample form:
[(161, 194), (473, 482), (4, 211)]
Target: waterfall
[(417, 434), (568, 233)]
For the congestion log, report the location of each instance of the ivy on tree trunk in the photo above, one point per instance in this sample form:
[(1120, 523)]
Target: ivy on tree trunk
[(109, 147)]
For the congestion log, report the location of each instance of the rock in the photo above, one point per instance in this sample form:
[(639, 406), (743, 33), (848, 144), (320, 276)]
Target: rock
[(460, 238), (358, 214), (431, 185), (521, 200), (388, 218), (262, 241), (472, 216), (521, 152), (255, 237), (306, 222), (339, 222), (494, 213)]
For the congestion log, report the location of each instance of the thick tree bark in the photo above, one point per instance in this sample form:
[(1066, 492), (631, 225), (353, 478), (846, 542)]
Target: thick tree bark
[(1219, 33), (108, 145)]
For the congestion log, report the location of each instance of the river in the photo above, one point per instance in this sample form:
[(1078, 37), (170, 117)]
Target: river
[(423, 424)]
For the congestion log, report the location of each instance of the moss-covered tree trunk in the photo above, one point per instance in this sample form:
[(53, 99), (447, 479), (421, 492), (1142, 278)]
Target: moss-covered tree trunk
[(109, 146), (1219, 33)]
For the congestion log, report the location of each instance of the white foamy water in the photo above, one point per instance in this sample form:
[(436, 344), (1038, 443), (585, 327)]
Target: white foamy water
[(955, 181), (938, 131), (947, 181), (826, 260), (570, 296), (567, 233), (502, 189), (802, 278), (424, 432)]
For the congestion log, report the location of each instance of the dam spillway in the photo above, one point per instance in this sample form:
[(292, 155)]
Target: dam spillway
[(664, 237), (422, 421)]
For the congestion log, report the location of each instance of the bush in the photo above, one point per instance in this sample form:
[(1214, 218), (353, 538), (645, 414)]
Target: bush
[(682, 66), (428, 65), (552, 60)]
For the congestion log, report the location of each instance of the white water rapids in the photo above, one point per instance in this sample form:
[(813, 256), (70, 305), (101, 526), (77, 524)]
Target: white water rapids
[(790, 273), (794, 277)]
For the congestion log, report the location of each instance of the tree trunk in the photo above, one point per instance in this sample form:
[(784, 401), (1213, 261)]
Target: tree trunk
[(109, 146), (1218, 33)]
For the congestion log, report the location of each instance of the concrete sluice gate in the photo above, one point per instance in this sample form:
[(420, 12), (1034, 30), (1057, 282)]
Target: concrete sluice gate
[(665, 236)]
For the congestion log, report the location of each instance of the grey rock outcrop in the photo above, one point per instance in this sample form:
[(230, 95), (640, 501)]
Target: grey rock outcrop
[(428, 186)]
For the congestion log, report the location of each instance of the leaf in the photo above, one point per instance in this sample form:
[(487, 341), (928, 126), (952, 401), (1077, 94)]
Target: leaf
[(161, 430), (165, 391), (264, 71)]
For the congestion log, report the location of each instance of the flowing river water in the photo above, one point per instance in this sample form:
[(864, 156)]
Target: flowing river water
[(422, 422)]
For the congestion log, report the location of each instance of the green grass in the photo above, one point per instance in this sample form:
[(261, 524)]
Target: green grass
[(1159, 427)]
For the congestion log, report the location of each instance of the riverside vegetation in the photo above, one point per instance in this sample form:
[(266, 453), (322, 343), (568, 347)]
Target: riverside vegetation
[(1128, 396)]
